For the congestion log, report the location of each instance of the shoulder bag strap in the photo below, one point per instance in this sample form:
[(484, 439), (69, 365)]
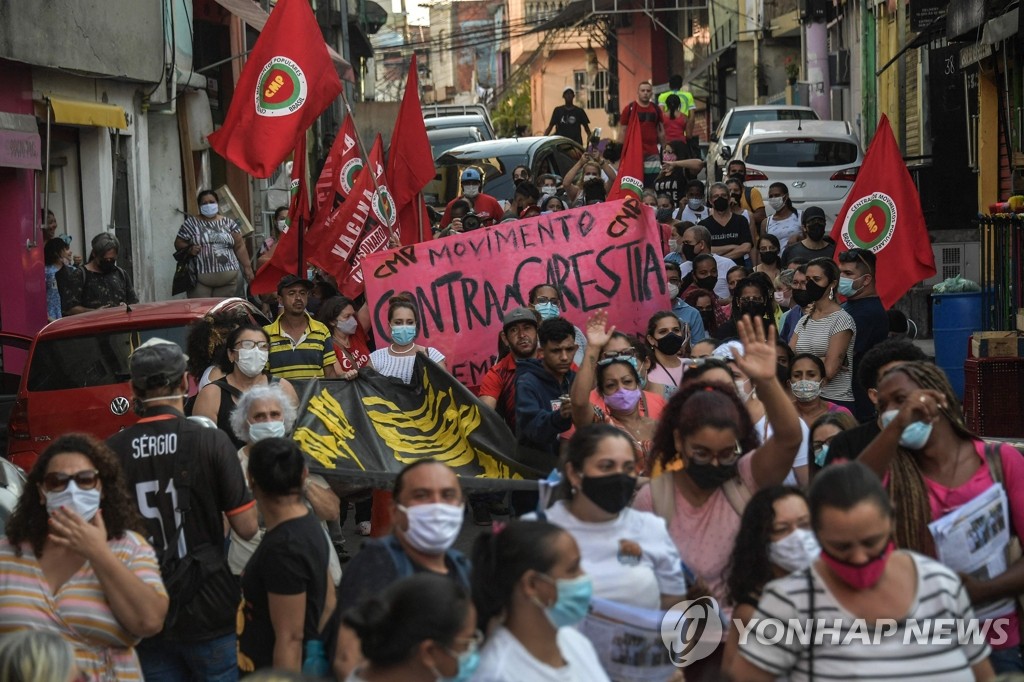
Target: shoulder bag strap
[(738, 494), (225, 386), (663, 497)]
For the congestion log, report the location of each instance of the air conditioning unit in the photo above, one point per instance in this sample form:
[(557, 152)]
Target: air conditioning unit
[(839, 67), (956, 258)]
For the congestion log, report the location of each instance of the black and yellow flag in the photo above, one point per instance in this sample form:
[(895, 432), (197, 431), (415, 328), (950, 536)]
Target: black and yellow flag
[(364, 431)]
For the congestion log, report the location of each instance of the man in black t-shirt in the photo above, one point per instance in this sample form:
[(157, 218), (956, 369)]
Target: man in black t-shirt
[(567, 119), (730, 232), (155, 454)]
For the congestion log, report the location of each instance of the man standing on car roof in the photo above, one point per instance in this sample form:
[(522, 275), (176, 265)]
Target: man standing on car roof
[(185, 479), (485, 207), (568, 118)]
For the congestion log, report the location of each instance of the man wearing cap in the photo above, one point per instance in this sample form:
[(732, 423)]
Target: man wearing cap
[(185, 479), (484, 206), (857, 284), (100, 283), (300, 347), (568, 118), (814, 244), (498, 388)]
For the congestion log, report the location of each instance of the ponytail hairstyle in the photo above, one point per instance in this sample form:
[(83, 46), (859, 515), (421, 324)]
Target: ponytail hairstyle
[(276, 466), (907, 490), (391, 625), (501, 558), (696, 406), (674, 104)]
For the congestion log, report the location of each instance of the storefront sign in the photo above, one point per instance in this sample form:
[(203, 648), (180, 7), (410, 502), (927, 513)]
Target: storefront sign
[(924, 12), (19, 149), (972, 54)]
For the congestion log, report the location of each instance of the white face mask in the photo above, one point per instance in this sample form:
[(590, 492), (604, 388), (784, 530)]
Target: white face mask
[(471, 190), (261, 430), (434, 527), (348, 326), (794, 552), (209, 210), (548, 191), (695, 204), (85, 503), (251, 361), (776, 203), (741, 389), (282, 225), (588, 178), (673, 291)]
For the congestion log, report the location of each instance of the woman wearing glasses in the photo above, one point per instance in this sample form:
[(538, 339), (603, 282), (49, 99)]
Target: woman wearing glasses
[(72, 562), (827, 331), (420, 629), (618, 398), (243, 364)]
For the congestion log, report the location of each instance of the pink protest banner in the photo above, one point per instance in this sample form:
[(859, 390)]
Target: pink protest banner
[(606, 256)]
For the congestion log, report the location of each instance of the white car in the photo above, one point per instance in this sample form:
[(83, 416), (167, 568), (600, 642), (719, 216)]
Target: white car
[(818, 161), (724, 139)]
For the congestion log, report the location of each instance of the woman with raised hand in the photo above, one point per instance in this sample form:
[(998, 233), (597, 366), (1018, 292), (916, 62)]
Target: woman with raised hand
[(530, 589)]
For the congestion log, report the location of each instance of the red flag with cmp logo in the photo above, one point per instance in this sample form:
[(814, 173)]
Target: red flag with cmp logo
[(288, 81), (883, 215), (629, 182), (339, 172), (360, 226)]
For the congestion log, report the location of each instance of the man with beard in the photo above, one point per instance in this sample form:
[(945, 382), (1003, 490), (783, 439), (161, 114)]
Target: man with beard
[(498, 388), (814, 244), (300, 347)]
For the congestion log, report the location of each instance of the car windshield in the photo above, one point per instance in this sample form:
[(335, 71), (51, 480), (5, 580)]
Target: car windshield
[(800, 153), (739, 119), (94, 360)]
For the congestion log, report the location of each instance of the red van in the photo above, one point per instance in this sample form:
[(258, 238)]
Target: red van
[(77, 370)]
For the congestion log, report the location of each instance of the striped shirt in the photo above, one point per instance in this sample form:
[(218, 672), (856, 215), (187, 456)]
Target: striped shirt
[(846, 653), (79, 611), (306, 358), (216, 240), (814, 336), (400, 366)]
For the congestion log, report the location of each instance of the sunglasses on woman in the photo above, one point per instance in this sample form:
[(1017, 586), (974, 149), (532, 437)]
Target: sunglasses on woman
[(56, 481)]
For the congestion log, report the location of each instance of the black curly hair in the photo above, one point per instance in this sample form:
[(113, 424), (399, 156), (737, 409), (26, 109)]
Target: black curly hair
[(207, 336), (29, 522), (699, 405), (749, 568)]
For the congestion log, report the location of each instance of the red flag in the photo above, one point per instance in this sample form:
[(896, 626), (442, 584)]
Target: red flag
[(285, 259), (410, 159), (359, 227), (288, 81), (339, 172), (629, 181), (883, 214)]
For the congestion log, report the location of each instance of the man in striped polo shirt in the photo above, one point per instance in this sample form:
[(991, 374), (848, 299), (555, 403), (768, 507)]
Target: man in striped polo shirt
[(300, 347)]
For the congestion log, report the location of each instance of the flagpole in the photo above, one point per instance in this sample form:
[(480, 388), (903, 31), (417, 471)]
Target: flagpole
[(419, 213)]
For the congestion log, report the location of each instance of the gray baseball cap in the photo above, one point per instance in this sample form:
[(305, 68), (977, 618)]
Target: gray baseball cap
[(157, 363), (520, 315)]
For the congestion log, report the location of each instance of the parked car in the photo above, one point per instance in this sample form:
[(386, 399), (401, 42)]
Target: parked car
[(481, 123), (817, 160), (448, 110), (443, 139), (13, 359), (77, 376), (497, 159), (724, 139)]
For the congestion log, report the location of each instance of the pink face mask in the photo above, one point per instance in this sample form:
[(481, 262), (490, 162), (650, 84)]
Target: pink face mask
[(860, 576)]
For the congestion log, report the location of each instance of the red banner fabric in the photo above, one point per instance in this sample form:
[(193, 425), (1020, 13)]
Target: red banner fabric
[(629, 181), (410, 158), (339, 173), (288, 80), (602, 257), (883, 215)]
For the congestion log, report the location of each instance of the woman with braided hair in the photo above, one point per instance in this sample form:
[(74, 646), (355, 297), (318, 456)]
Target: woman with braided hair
[(932, 465)]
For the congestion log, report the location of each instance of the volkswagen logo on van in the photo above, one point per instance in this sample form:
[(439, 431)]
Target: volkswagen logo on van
[(119, 405)]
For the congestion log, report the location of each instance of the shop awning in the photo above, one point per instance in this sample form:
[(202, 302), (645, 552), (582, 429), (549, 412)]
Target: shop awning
[(701, 67), (999, 29), (253, 15), (81, 113), (19, 142)]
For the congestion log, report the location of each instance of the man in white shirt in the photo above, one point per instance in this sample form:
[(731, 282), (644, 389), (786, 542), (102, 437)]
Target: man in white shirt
[(697, 240), (695, 207)]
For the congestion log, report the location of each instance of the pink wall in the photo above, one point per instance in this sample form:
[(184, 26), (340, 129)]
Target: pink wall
[(642, 56), (22, 289)]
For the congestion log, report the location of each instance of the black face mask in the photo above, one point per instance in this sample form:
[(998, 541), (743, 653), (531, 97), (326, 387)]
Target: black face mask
[(670, 344), (782, 374), (708, 318), (107, 266), (815, 291), (706, 282), (802, 297), (721, 204), (769, 257), (663, 215), (689, 251), (753, 309), (611, 493), (709, 476), (816, 232)]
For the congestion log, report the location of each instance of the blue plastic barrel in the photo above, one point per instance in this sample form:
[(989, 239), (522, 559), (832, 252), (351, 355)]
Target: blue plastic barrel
[(955, 317)]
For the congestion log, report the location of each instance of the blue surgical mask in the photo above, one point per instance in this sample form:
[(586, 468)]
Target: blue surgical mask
[(846, 287), (573, 600), (547, 310), (209, 210), (469, 661), (821, 455), (262, 430), (403, 334), (915, 436)]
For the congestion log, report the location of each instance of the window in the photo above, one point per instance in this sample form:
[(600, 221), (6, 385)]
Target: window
[(595, 96), (801, 153), (739, 119)]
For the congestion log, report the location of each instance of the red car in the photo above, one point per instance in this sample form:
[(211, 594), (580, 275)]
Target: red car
[(77, 370)]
